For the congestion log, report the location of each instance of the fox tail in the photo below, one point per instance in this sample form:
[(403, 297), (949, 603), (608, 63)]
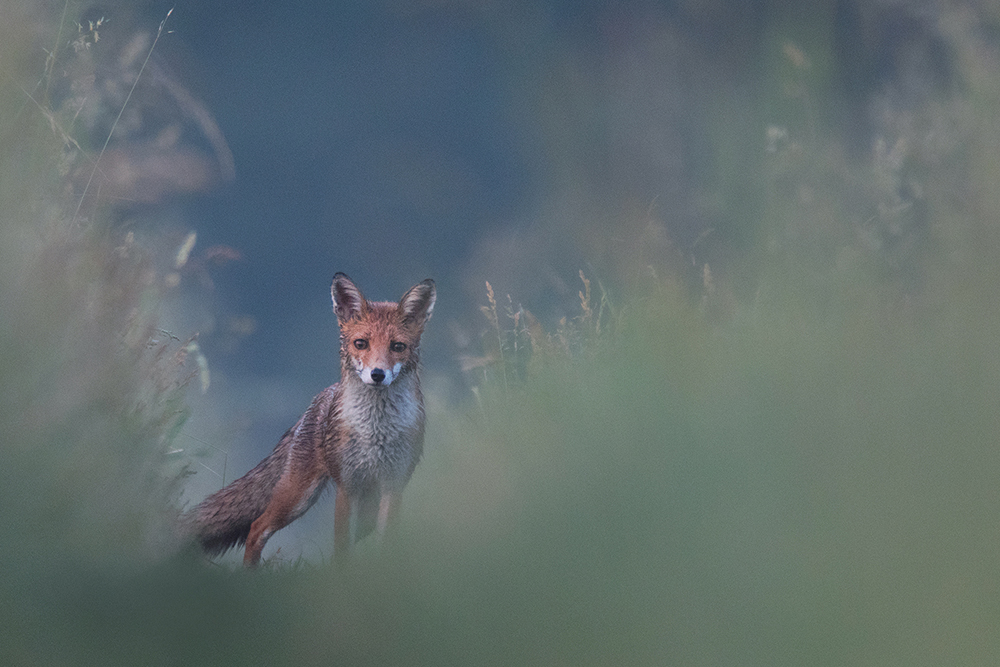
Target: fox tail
[(222, 521)]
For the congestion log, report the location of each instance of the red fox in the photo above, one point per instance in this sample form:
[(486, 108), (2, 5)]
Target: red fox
[(365, 434)]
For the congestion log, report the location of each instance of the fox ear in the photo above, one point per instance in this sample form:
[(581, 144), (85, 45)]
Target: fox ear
[(418, 303), (348, 301)]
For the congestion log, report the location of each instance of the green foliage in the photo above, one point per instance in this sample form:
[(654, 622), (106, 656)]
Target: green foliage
[(92, 390)]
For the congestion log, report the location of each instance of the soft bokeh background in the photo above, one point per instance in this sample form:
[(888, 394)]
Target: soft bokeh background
[(759, 428)]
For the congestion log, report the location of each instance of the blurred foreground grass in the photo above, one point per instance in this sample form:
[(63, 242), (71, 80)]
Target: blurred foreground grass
[(813, 481), (820, 493)]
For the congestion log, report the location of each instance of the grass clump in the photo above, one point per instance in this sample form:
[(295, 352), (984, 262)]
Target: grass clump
[(515, 343), (93, 390)]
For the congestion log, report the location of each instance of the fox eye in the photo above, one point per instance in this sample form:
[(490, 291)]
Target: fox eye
[(360, 343), (396, 346)]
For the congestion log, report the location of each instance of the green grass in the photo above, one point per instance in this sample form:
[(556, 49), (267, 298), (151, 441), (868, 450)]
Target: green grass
[(780, 491)]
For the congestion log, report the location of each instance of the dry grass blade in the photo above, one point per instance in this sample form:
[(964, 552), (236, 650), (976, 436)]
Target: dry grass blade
[(111, 132)]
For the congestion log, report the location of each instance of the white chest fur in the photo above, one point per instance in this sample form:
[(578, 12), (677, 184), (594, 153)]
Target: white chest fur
[(382, 428)]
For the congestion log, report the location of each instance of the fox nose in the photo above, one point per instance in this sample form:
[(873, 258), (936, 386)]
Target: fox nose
[(378, 375)]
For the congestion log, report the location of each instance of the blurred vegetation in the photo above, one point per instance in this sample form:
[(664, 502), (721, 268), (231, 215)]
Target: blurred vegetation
[(92, 390), (796, 470)]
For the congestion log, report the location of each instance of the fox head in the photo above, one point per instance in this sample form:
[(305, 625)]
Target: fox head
[(380, 340)]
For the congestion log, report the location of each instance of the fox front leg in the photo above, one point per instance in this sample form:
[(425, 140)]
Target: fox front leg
[(388, 512), (342, 524)]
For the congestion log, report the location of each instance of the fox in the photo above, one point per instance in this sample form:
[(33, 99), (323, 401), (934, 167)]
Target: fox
[(364, 434)]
